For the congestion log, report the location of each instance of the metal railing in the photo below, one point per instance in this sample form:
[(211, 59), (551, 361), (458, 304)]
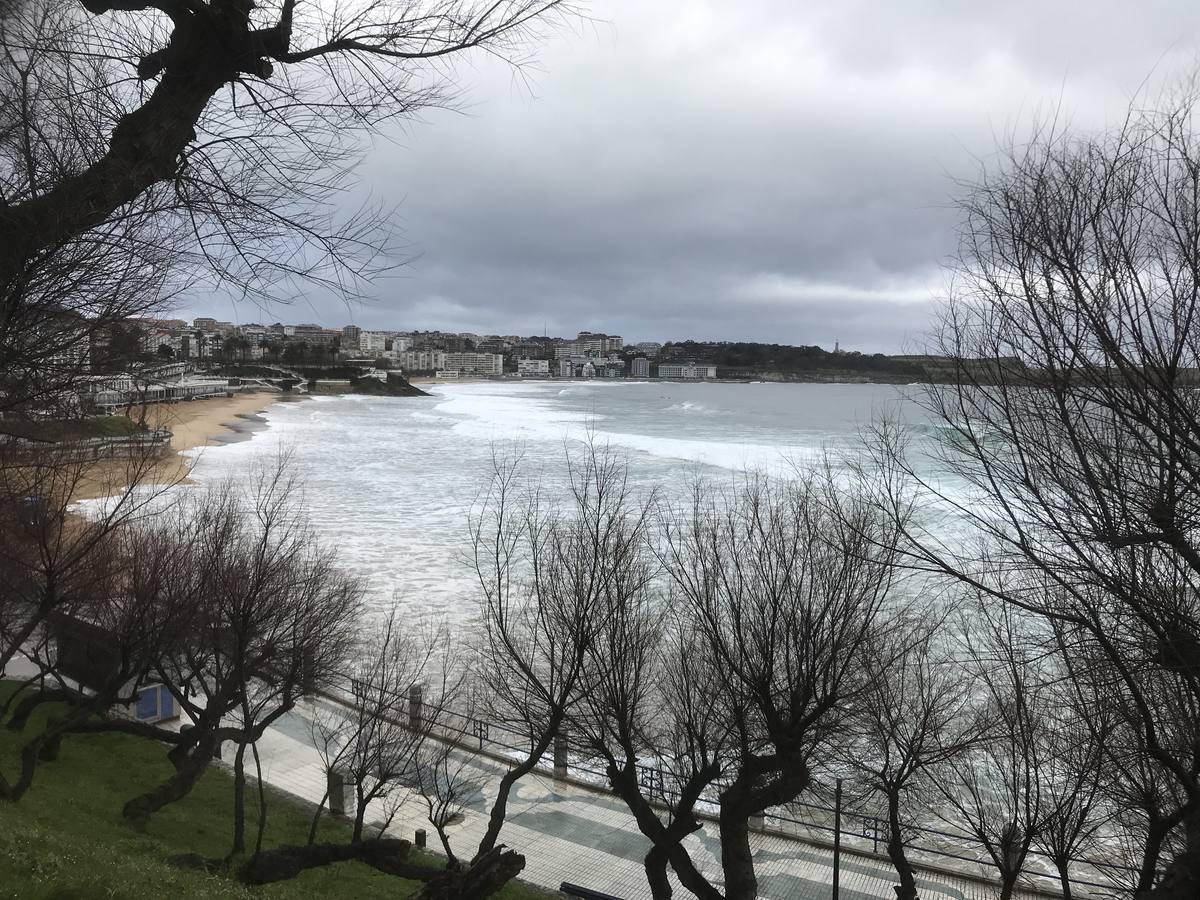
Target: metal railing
[(864, 830)]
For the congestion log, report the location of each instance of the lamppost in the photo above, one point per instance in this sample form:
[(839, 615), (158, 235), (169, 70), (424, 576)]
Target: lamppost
[(837, 837)]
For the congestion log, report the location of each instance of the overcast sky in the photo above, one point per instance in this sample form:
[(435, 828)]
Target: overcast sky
[(768, 170)]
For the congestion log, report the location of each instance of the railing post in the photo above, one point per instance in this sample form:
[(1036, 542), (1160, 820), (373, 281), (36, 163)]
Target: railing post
[(560, 756), (837, 837), (416, 706)]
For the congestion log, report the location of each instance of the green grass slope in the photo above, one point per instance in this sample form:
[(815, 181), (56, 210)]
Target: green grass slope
[(66, 839)]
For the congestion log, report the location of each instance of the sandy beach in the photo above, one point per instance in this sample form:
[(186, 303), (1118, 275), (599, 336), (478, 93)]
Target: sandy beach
[(197, 423)]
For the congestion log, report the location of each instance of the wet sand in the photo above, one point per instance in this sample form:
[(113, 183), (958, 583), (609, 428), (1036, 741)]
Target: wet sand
[(196, 423)]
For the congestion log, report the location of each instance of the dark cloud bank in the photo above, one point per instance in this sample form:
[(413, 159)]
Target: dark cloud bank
[(760, 170)]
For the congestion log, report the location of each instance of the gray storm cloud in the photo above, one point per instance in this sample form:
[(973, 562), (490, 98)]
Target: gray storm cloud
[(760, 171)]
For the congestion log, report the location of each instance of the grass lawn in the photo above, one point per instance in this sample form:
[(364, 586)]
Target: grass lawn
[(66, 839)]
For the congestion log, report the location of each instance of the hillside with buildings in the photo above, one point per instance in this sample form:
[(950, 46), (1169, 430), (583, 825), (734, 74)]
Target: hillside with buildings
[(464, 354)]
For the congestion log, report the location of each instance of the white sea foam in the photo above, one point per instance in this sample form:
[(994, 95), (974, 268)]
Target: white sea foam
[(500, 415), (723, 454), (389, 482)]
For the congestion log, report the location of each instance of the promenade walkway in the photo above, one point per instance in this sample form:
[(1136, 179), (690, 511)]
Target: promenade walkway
[(569, 832)]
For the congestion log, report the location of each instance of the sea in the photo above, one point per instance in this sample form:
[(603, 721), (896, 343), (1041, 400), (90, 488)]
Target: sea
[(390, 482)]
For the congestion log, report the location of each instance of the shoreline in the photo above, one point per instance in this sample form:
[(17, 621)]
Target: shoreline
[(193, 424), (466, 379)]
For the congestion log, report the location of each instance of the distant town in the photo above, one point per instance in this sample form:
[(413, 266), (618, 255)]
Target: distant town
[(449, 355)]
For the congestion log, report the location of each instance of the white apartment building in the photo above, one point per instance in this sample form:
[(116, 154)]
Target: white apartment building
[(591, 343), (566, 369), (689, 370), (528, 367), (641, 367), (421, 360), (475, 363), (372, 341)]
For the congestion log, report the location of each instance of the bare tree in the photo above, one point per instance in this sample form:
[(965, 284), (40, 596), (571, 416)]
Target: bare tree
[(733, 687), (1071, 422), (241, 119), (57, 107), (400, 699), (995, 789), (1149, 808), (97, 652), (51, 558), (655, 716), (392, 738), (916, 716), (1081, 744), (448, 782), (273, 619), (543, 570)]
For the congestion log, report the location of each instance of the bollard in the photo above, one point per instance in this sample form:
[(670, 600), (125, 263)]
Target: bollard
[(560, 756), (336, 782), (420, 838), (416, 706)]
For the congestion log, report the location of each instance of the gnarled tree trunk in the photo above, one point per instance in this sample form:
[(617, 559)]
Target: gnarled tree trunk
[(907, 888), (188, 770)]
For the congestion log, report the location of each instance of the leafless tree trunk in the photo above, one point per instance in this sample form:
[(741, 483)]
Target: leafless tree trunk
[(239, 801), (57, 107), (786, 588)]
